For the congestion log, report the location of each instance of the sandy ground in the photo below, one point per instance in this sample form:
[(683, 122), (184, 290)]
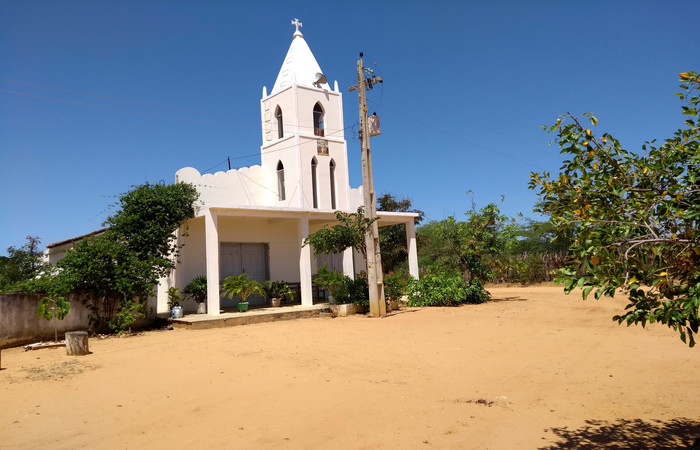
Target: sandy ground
[(532, 369)]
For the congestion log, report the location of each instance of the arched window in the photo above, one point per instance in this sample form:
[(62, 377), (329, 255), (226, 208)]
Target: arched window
[(332, 171), (280, 123), (280, 181), (314, 187), (318, 119)]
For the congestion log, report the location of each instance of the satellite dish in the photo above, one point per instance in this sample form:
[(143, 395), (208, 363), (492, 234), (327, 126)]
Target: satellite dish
[(319, 79)]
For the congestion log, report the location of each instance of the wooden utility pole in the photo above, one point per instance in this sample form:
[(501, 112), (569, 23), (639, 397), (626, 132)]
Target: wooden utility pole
[(375, 277)]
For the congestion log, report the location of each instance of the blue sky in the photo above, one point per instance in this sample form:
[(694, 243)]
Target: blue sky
[(98, 96)]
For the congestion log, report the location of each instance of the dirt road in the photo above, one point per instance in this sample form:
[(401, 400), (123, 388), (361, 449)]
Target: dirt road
[(532, 369)]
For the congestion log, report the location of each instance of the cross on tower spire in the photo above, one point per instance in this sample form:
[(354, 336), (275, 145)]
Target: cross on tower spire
[(297, 24)]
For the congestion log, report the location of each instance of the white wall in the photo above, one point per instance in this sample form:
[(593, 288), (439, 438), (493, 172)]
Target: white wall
[(280, 234)]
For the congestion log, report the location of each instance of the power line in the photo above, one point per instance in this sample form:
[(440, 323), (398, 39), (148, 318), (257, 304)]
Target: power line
[(116, 99), (231, 123), (461, 138), (112, 108), (273, 151), (461, 114)]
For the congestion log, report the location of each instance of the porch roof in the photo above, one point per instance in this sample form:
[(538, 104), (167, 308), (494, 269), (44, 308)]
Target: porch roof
[(386, 218)]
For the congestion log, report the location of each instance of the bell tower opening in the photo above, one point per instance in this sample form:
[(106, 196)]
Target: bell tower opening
[(280, 123), (332, 180), (280, 181), (318, 119), (314, 183)]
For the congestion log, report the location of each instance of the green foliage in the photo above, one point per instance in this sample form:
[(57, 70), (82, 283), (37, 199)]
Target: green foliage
[(512, 251), (342, 288), (278, 289), (441, 287), (118, 269), (636, 217), (174, 297), (197, 289), (528, 267), (392, 238), (540, 237), (148, 217), (21, 265), (333, 281), (241, 286), (358, 289), (395, 285), (350, 232), (125, 316), (53, 307), (471, 246)]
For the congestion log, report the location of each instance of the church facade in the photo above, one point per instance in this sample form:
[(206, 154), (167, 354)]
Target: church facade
[(254, 219)]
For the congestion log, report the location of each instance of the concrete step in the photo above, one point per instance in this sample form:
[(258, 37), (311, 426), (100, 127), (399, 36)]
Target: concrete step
[(232, 319)]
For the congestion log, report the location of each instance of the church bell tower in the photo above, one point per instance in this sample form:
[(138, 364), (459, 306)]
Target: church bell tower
[(303, 151)]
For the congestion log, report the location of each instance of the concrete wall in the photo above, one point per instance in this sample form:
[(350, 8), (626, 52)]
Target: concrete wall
[(19, 324)]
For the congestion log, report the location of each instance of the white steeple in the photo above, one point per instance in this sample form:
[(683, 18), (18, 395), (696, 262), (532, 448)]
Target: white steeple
[(299, 65), (303, 151)]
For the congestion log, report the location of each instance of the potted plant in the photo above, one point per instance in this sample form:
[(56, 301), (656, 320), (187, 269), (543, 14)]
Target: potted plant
[(174, 299), (242, 287), (334, 282), (197, 291), (278, 291)]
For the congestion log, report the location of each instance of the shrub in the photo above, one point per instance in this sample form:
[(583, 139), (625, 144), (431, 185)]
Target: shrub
[(342, 288), (358, 290), (334, 282), (476, 293), (395, 285), (445, 288)]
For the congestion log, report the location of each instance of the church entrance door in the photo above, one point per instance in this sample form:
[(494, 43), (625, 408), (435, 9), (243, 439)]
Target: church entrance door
[(251, 259)]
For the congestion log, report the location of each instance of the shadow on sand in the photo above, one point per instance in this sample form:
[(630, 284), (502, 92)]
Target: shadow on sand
[(508, 299), (629, 434)]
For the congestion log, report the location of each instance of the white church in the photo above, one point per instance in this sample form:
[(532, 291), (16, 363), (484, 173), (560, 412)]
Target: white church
[(254, 219)]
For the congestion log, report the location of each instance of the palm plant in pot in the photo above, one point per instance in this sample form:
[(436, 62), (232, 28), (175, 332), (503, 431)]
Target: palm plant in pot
[(278, 291), (197, 291), (241, 286)]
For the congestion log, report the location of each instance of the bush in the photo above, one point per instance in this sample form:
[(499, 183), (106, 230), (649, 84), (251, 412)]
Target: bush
[(445, 288), (342, 288), (395, 285), (476, 293), (358, 290)]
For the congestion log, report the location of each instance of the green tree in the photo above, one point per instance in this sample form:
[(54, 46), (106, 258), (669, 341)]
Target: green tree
[(349, 232), (392, 238), (433, 249), (118, 269), (21, 264), (635, 216), (475, 244), (533, 236), (53, 307)]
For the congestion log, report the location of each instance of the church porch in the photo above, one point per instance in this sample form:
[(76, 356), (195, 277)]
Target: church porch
[(267, 244)]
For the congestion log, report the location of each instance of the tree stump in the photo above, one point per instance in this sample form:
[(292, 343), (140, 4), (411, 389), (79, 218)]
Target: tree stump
[(77, 343)]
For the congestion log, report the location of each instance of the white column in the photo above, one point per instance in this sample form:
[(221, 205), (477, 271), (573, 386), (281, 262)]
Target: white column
[(349, 262), (162, 295), (211, 233), (305, 264), (412, 249)]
